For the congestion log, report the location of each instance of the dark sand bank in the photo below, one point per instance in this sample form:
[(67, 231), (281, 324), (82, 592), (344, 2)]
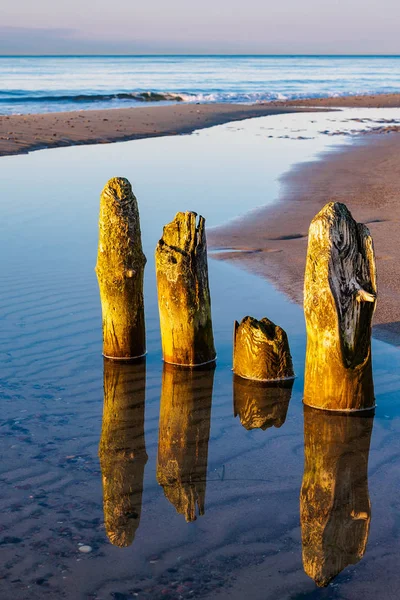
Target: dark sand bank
[(273, 240), (24, 133)]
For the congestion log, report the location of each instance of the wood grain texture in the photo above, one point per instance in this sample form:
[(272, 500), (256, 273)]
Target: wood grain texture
[(120, 269), (122, 449), (261, 405), (339, 302), (183, 292), (335, 508), (261, 350), (184, 431)]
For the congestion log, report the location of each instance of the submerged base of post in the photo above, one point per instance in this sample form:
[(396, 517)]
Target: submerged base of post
[(125, 358), (341, 410)]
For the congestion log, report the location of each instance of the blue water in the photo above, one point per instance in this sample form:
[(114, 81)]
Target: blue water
[(42, 84), (248, 542)]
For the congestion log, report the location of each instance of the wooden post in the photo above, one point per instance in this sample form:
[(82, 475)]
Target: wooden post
[(339, 302), (335, 508), (261, 405), (120, 269), (261, 351), (184, 431), (183, 292), (122, 449)]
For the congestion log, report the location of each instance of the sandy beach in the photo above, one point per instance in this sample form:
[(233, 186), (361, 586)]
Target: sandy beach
[(273, 241), (358, 101), (24, 133)]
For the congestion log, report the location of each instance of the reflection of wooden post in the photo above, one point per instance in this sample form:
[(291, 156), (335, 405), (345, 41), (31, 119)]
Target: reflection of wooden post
[(122, 449), (185, 414), (335, 508), (339, 302), (261, 405), (261, 351), (183, 292), (120, 268)]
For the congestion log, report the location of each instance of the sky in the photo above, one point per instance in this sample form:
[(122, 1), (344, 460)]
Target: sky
[(199, 27)]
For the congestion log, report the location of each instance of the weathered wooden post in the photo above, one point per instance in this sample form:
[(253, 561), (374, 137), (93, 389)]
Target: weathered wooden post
[(122, 449), (184, 431), (335, 508), (183, 292), (261, 405), (261, 351), (120, 269), (339, 302)]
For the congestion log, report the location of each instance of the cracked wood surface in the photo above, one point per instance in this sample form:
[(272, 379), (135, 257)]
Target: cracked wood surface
[(261, 350), (339, 303), (120, 270), (183, 292)]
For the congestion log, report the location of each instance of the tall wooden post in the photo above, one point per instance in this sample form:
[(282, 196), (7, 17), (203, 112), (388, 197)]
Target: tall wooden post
[(183, 292), (120, 268), (261, 351), (261, 405), (122, 449), (339, 302), (335, 509), (184, 431)]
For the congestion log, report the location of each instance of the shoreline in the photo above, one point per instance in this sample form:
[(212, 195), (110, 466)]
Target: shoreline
[(20, 134), (272, 241)]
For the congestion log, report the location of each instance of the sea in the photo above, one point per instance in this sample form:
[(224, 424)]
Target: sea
[(35, 84)]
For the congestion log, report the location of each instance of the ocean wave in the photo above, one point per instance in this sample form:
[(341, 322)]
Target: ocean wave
[(26, 101), (19, 97)]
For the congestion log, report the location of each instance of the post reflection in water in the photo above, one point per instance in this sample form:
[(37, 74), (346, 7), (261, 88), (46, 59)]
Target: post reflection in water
[(335, 508), (261, 405), (122, 449), (184, 431)]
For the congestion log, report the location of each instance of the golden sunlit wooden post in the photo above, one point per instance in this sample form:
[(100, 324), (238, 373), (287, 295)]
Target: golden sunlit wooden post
[(122, 450), (261, 351), (185, 415), (261, 405), (335, 508), (339, 302), (183, 292), (120, 268)]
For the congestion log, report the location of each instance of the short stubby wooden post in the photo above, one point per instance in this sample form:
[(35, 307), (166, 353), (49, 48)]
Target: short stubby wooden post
[(120, 269), (335, 509), (261, 351), (339, 302), (183, 292), (261, 405), (184, 431), (122, 450)]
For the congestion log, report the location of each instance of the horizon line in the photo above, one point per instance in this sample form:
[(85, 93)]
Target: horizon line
[(198, 54)]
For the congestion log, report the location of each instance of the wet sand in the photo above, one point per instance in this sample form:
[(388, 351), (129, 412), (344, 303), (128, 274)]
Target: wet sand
[(272, 241), (24, 133)]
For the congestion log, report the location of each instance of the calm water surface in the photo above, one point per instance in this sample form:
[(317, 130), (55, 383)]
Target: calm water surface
[(247, 482)]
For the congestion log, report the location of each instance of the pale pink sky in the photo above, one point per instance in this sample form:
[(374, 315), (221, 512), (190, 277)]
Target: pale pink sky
[(202, 26)]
